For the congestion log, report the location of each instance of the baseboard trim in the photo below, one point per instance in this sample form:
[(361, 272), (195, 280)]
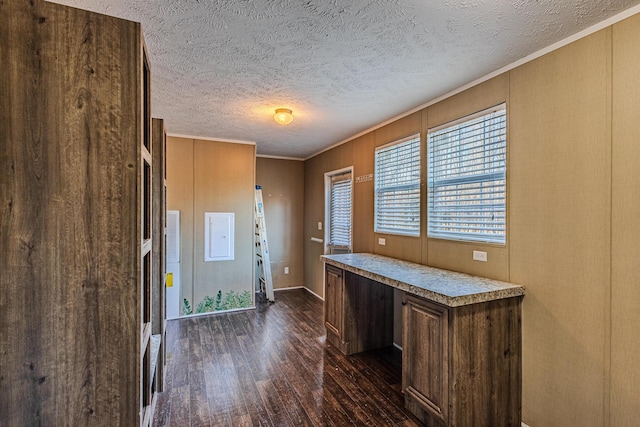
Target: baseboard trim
[(299, 287), (313, 293), (288, 289)]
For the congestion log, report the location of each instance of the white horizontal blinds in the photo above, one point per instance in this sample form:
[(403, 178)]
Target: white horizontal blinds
[(397, 187), (467, 178), (340, 210)]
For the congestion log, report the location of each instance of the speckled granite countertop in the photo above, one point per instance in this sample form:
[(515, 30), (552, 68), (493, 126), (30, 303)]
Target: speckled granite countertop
[(442, 286)]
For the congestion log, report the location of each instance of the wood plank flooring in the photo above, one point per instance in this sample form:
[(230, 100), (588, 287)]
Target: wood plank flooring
[(272, 367)]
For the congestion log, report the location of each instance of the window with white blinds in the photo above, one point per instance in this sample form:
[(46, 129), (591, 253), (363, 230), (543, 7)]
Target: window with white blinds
[(397, 187), (340, 210), (466, 169)]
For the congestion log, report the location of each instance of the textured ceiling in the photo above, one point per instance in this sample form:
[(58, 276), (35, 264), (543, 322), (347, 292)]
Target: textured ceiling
[(221, 68)]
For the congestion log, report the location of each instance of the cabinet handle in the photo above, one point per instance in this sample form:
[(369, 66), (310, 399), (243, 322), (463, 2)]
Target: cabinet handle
[(404, 303)]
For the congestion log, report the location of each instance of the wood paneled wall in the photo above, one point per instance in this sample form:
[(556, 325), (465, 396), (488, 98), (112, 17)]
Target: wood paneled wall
[(282, 184), (573, 234), (625, 225), (559, 227), (314, 170), (455, 255), (210, 176), (180, 194)]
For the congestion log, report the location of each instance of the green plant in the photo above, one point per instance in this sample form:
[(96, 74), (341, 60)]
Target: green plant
[(219, 301), (186, 310), (229, 301), (206, 305)]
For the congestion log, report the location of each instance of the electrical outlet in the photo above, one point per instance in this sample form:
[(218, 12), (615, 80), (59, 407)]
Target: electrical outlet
[(286, 270), (382, 241), (480, 256)]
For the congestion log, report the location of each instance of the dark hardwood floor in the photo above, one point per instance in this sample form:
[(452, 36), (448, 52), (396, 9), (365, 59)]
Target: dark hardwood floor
[(272, 367)]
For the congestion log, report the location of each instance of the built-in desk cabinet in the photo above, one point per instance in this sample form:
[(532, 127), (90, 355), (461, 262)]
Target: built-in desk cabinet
[(358, 311), (461, 362), (333, 312), (461, 365), (425, 348)]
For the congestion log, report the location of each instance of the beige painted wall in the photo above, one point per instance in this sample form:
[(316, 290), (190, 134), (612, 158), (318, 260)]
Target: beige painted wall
[(314, 170), (625, 215), (282, 184), (209, 176), (180, 191), (559, 228), (573, 232)]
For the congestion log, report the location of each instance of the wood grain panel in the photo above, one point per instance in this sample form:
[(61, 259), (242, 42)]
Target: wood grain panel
[(282, 184), (462, 366), (486, 353), (68, 216), (625, 269), (158, 300), (368, 314), (333, 304), (559, 191), (358, 311), (425, 360)]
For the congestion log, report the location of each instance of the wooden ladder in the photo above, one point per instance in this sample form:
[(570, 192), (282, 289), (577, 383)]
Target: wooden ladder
[(262, 249)]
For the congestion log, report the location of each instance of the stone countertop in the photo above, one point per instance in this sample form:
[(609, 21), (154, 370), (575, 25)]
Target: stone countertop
[(442, 286)]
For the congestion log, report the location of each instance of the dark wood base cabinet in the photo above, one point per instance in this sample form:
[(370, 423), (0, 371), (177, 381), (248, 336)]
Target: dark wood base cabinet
[(358, 312), (461, 366)]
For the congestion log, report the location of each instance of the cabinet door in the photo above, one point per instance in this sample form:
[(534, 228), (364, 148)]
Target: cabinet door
[(333, 300), (425, 360)]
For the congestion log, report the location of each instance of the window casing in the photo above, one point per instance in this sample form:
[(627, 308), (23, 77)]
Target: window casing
[(340, 197), (397, 187), (466, 178)]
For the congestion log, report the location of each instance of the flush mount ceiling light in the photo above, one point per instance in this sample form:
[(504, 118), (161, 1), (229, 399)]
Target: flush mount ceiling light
[(283, 116)]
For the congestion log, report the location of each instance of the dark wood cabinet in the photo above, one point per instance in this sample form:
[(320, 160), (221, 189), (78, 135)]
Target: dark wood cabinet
[(425, 358), (77, 220), (358, 311), (333, 313), (462, 365), (461, 358), (158, 294)]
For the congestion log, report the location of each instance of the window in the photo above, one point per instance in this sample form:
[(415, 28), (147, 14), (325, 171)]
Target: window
[(467, 178), (397, 187), (340, 211)]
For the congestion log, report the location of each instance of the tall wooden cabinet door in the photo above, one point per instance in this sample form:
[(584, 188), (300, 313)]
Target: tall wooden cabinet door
[(333, 300), (70, 217), (425, 360)]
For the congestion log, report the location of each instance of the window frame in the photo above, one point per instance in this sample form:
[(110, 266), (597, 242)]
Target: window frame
[(328, 206), (501, 175), (414, 187)]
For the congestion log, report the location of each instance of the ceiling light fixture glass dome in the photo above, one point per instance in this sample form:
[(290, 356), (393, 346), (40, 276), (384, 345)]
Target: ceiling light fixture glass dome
[(283, 116)]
